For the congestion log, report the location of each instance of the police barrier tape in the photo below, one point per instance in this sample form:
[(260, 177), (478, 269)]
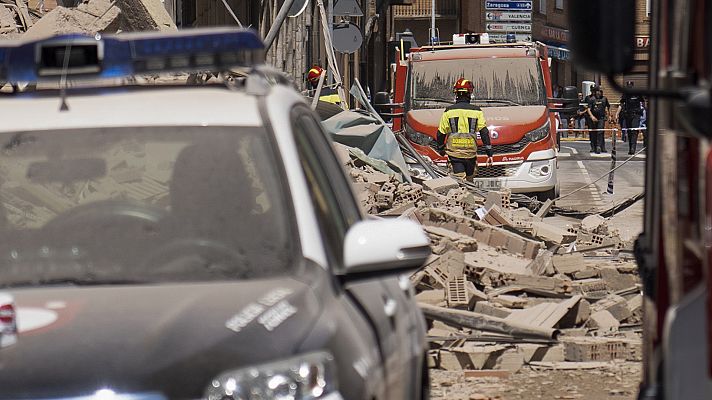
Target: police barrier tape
[(604, 129)]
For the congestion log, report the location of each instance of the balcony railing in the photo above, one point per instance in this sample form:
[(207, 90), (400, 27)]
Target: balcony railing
[(422, 8)]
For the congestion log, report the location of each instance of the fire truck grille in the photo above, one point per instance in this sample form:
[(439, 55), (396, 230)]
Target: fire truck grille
[(497, 171), (506, 148)]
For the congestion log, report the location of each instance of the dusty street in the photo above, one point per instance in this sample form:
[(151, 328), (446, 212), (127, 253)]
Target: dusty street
[(559, 378), (615, 380)]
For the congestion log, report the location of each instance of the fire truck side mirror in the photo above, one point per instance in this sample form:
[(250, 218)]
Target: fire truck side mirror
[(570, 93), (381, 99), (603, 34), (567, 104)]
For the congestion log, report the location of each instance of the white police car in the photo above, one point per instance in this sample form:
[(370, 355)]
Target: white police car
[(197, 242)]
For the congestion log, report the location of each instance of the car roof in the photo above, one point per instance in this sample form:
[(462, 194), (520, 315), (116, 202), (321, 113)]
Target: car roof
[(205, 105)]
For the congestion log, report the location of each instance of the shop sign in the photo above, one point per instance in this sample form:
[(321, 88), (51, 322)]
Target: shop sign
[(557, 35), (558, 53)]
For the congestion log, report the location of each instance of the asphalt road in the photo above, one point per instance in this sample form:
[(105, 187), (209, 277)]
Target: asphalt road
[(578, 167)]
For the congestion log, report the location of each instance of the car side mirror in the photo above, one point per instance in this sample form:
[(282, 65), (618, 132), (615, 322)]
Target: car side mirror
[(603, 35), (378, 248)]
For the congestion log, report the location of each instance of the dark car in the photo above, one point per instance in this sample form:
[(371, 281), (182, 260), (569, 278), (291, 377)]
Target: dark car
[(195, 242)]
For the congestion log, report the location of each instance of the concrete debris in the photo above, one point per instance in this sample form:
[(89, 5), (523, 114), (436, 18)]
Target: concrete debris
[(594, 224), (601, 349), (604, 321), (568, 263), (493, 199), (544, 209), (18, 19), (616, 305), (435, 297), (145, 15), (551, 233), (547, 315), (441, 185), (496, 216), (456, 292), (492, 309), (503, 284)]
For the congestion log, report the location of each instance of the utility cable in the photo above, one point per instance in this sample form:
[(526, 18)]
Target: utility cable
[(601, 177)]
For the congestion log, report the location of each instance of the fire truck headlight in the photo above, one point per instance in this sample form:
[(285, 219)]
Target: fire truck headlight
[(417, 137)]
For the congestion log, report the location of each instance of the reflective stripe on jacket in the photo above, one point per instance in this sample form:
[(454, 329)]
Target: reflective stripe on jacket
[(460, 123)]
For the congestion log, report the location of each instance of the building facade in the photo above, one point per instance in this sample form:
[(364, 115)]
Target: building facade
[(417, 18), (551, 27)]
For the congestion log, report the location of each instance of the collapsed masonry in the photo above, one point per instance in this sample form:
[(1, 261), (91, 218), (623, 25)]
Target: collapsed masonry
[(23, 19), (504, 287)]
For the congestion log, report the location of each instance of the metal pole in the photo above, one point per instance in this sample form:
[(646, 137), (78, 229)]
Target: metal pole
[(232, 14), (277, 24), (432, 22), (317, 92), (330, 20)]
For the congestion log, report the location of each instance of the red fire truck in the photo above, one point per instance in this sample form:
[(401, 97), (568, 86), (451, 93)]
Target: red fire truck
[(513, 88)]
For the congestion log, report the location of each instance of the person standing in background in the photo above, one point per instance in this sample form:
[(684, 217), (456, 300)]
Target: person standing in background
[(599, 110), (631, 110)]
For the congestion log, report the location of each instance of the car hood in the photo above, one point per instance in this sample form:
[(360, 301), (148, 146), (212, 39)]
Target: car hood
[(171, 339), (510, 123)]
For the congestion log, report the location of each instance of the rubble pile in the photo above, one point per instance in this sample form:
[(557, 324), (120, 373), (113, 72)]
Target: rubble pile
[(506, 287), (16, 17), (23, 19)]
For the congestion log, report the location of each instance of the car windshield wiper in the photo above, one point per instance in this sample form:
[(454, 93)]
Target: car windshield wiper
[(433, 100), (500, 101)]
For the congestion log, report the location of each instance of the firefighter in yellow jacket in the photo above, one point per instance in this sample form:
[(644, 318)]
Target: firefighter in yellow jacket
[(457, 134)]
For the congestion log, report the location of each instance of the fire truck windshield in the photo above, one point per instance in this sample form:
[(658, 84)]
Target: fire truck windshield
[(499, 82)]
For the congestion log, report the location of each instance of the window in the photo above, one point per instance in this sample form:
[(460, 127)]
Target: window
[(542, 6), (559, 4), (432, 81), (331, 194)]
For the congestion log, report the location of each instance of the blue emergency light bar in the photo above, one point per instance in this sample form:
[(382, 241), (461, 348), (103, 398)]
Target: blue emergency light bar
[(117, 56)]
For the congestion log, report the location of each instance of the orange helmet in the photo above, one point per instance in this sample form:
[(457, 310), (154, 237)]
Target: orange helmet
[(463, 86), (314, 74)]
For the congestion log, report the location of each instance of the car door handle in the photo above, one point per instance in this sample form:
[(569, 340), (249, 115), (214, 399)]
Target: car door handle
[(390, 308)]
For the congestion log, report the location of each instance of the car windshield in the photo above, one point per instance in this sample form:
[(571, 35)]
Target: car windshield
[(140, 205), (498, 82)]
